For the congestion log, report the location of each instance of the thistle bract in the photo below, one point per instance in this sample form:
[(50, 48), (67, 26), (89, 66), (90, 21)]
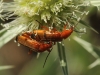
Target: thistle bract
[(49, 12), (32, 14)]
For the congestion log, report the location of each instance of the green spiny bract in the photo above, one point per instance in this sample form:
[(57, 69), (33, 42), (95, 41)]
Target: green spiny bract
[(49, 12)]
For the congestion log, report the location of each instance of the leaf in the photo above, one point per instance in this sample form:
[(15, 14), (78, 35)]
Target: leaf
[(8, 33), (95, 63), (89, 47), (95, 2), (84, 23), (6, 67), (86, 45)]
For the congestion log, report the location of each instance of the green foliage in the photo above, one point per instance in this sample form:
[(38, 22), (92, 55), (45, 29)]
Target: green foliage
[(89, 48), (54, 13)]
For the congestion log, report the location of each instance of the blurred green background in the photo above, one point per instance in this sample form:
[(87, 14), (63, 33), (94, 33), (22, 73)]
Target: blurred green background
[(78, 59)]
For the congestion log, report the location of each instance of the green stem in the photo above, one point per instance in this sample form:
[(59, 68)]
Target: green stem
[(62, 56)]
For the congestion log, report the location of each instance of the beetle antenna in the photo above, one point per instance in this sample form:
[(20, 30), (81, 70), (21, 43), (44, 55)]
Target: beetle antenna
[(46, 58), (39, 23)]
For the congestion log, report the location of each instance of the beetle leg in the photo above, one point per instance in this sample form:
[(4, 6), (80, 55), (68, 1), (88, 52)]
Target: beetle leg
[(30, 51)]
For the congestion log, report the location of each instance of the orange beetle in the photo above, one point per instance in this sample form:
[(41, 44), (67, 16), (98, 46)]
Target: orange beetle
[(53, 35), (36, 46)]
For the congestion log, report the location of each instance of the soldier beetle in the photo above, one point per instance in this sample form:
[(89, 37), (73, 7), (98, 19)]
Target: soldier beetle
[(52, 35), (36, 46)]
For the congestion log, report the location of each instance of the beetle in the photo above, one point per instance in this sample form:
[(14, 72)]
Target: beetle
[(52, 35), (36, 46)]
